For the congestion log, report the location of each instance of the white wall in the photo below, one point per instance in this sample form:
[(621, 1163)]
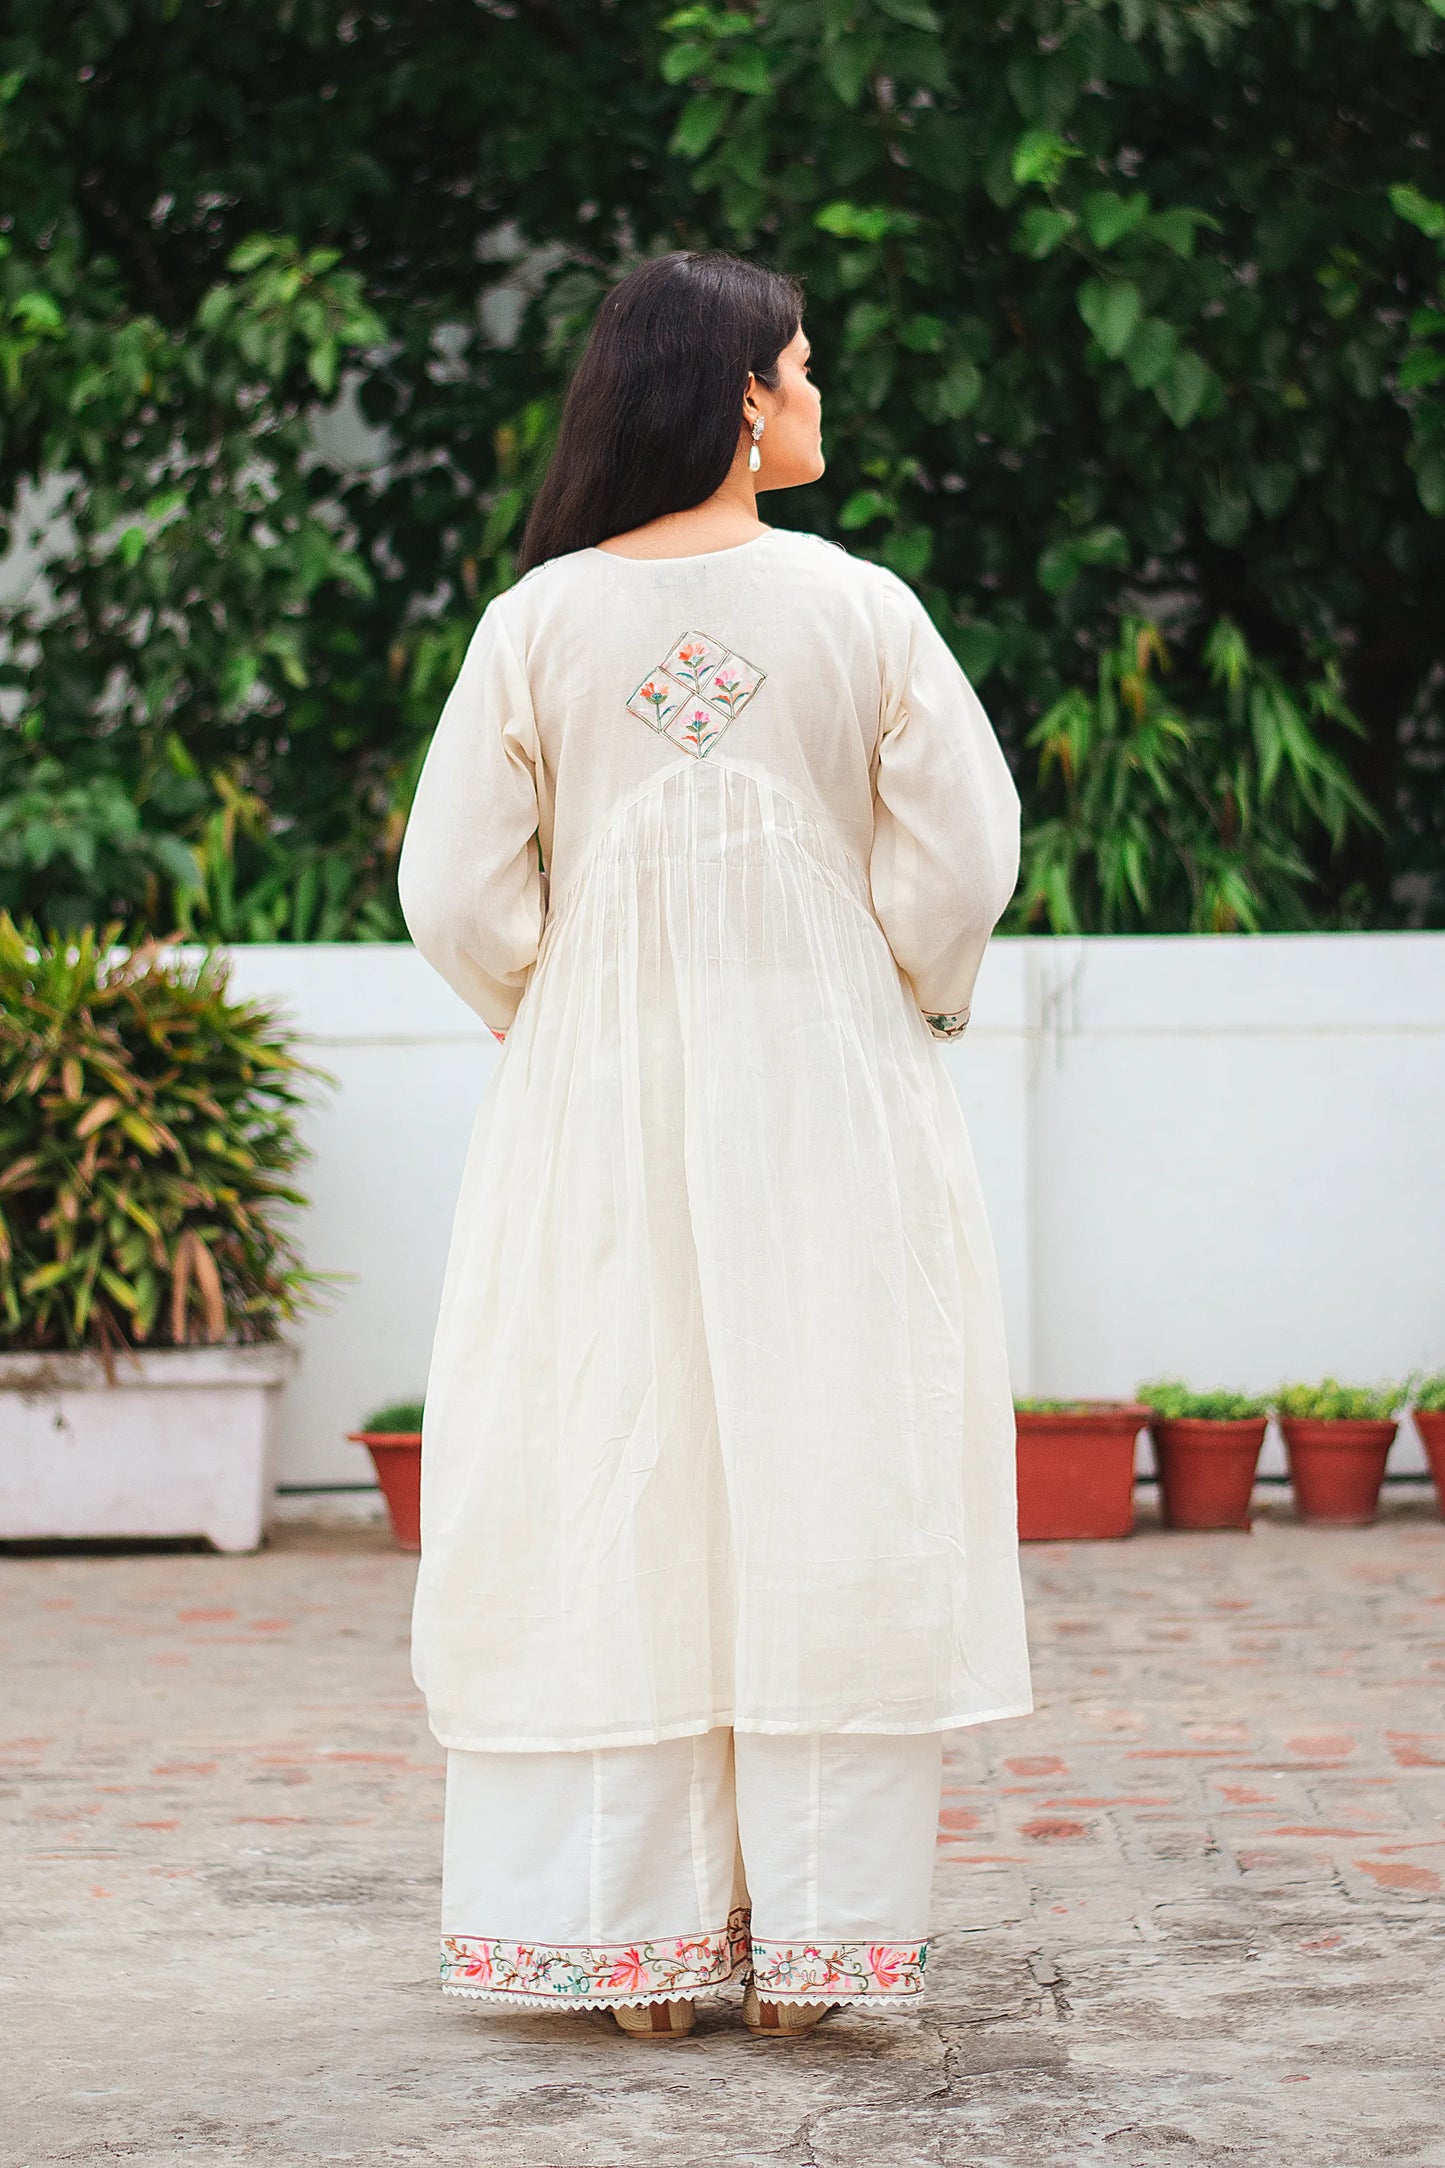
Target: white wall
[(1220, 1158)]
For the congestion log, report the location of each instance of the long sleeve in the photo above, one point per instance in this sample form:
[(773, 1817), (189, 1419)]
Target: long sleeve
[(946, 838), (469, 875)]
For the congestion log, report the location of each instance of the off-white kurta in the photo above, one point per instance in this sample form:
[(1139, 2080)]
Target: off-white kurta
[(718, 1427)]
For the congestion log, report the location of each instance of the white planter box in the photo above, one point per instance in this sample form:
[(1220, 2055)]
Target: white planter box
[(183, 1444)]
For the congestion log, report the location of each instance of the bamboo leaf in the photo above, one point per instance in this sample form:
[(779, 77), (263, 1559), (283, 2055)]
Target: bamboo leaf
[(208, 1280), (96, 1116)]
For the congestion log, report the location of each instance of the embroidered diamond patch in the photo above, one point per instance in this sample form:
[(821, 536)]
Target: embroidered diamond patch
[(695, 692)]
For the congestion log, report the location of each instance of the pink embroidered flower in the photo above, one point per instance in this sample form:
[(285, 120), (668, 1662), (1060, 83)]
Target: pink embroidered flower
[(883, 1963), (629, 1972), (699, 732), (472, 1964)]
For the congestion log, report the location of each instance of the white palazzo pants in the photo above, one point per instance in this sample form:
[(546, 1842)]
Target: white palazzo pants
[(630, 1874)]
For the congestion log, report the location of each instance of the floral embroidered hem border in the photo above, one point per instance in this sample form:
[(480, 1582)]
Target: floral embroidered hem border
[(695, 692), (593, 1975), (838, 1971), (948, 1025), (617, 1972)]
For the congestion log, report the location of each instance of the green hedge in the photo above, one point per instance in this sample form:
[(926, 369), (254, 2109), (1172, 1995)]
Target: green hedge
[(1132, 341)]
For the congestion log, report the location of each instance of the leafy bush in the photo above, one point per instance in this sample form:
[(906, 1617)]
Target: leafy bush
[(1171, 1399), (1130, 322), (1330, 1400), (148, 1127), (1430, 1393), (402, 1415)]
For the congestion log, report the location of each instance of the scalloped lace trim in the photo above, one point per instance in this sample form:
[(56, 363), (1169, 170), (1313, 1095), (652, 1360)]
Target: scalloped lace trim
[(544, 1999)]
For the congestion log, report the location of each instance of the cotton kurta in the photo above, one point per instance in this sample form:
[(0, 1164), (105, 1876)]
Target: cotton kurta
[(718, 1425)]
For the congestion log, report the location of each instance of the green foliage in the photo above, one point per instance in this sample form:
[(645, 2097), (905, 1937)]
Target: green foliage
[(1188, 811), (1430, 1392), (148, 1130), (397, 1415), (1171, 1399), (1329, 1400), (1052, 1407), (1130, 323), (178, 625)]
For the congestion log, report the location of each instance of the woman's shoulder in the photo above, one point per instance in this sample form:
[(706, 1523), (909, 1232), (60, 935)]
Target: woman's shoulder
[(860, 581)]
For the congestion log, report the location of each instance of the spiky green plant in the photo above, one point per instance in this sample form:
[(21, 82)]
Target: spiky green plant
[(1329, 1400), (1172, 1400), (397, 1415), (1034, 1406), (148, 1128), (1430, 1393)]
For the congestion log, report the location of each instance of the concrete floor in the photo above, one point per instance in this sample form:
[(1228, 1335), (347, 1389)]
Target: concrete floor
[(1189, 1911)]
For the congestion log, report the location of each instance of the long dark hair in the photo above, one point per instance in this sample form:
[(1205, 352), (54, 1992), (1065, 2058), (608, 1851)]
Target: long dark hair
[(653, 411)]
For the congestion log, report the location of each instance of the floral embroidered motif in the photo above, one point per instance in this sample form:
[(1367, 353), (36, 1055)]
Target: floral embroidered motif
[(695, 692), (949, 1025), (839, 1970), (483, 1964)]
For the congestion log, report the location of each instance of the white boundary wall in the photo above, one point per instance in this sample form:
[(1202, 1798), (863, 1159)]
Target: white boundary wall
[(1217, 1157)]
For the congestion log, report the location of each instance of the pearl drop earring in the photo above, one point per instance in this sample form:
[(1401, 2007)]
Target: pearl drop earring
[(755, 457)]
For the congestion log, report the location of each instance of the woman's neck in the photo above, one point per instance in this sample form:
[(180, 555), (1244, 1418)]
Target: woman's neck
[(727, 518)]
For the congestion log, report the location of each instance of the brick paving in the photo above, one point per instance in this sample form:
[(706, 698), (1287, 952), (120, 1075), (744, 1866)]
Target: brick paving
[(1189, 1911)]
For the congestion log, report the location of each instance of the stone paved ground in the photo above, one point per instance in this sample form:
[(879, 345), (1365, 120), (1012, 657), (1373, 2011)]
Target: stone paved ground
[(1190, 1911)]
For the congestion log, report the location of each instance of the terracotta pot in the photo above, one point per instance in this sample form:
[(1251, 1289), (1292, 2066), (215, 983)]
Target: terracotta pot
[(1076, 1472), (396, 1455), (1430, 1422), (1206, 1468), (1337, 1465)]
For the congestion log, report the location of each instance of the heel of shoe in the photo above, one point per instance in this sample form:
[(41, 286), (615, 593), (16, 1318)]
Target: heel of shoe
[(781, 2020), (656, 2020)]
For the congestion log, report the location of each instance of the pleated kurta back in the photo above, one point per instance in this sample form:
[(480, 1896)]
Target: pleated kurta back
[(718, 1423)]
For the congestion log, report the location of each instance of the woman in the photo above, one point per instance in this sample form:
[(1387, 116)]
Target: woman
[(718, 1525)]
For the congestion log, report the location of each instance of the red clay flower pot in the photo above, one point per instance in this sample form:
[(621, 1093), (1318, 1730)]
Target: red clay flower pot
[(396, 1455), (1076, 1471), (1206, 1468), (1337, 1466), (1430, 1422)]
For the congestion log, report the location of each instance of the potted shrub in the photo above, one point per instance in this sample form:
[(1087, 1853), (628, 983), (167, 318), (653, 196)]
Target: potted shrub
[(1338, 1438), (1076, 1467), (392, 1436), (148, 1131), (1429, 1413), (1206, 1448)]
